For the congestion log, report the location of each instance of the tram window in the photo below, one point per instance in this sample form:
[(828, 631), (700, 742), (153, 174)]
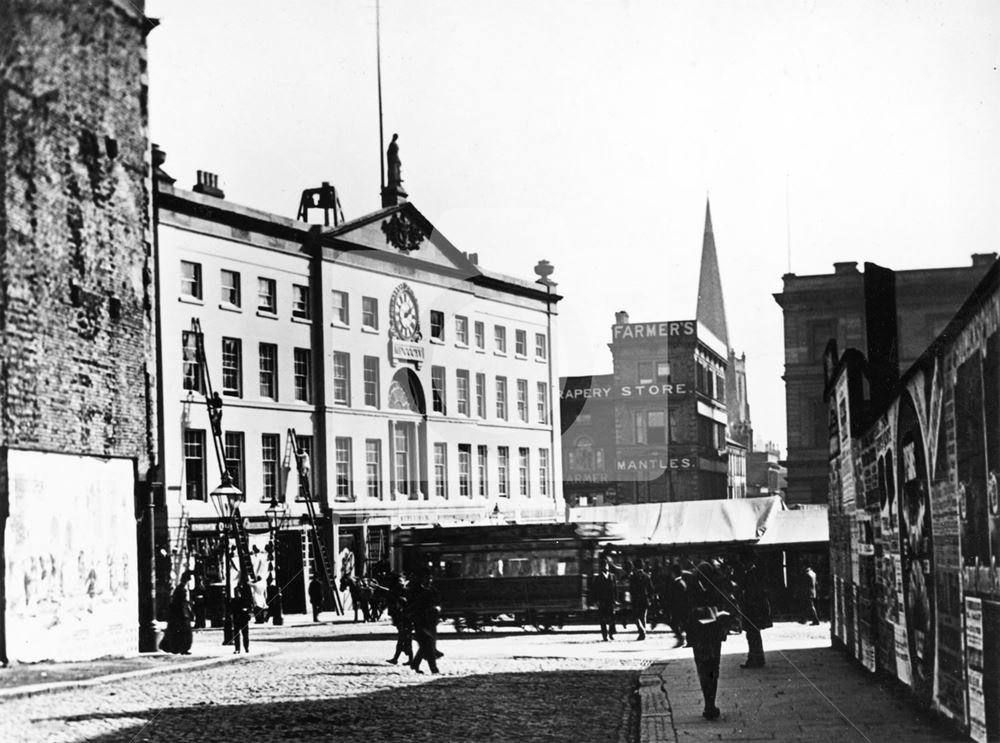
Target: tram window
[(518, 567), (451, 566), (476, 565)]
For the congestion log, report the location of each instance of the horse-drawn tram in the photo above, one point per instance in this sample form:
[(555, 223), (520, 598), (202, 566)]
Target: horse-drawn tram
[(533, 574)]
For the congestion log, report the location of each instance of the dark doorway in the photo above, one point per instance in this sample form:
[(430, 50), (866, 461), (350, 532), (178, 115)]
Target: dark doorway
[(290, 573)]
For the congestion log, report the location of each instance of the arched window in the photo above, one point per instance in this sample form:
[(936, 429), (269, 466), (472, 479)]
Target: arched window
[(583, 455)]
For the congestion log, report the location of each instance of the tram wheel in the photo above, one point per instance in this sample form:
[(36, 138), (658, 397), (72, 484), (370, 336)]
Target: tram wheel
[(543, 622)]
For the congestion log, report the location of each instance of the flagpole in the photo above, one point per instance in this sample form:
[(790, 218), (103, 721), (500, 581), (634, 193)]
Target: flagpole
[(378, 68)]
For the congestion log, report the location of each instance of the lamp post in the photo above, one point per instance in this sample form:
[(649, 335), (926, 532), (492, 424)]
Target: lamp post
[(544, 269), (276, 514), (223, 497)]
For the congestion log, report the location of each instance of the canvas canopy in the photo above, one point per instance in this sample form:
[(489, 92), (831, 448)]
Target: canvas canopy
[(801, 526), (747, 520)]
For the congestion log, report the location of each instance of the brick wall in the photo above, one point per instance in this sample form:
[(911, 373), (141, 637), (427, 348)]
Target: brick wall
[(76, 292)]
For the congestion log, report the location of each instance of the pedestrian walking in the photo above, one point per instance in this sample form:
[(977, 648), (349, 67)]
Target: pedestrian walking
[(198, 602), (678, 605), (659, 574), (315, 597), (400, 612), (809, 594), (755, 608), (707, 627), (178, 636), (272, 596), (604, 594), (641, 587), (241, 613), (425, 610)]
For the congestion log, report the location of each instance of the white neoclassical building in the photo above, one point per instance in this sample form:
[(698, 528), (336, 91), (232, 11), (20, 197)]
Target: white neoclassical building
[(421, 384)]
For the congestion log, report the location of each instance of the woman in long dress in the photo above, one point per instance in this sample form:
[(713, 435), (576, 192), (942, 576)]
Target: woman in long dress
[(178, 637)]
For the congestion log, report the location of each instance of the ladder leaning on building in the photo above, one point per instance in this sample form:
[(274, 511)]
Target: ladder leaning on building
[(303, 468), (234, 526)]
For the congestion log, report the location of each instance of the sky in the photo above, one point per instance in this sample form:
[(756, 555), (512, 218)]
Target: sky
[(590, 133)]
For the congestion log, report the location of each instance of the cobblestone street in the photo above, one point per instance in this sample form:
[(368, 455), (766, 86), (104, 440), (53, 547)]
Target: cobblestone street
[(332, 682), (305, 682)]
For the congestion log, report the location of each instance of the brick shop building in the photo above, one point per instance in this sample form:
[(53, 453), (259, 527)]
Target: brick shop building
[(832, 306), (656, 428)]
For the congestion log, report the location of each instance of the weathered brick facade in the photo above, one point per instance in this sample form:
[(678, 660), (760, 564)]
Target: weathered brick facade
[(76, 294), (77, 347)]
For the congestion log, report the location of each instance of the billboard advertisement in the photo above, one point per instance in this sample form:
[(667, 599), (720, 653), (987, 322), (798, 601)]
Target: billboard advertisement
[(71, 568), (925, 507)]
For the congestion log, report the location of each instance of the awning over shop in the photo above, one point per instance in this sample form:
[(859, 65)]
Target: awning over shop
[(801, 526), (747, 521)]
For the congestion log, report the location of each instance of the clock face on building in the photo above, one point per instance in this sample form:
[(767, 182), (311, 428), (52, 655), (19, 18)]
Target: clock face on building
[(403, 314)]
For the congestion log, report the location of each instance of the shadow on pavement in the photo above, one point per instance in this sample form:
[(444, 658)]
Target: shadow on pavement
[(822, 686), (575, 707)]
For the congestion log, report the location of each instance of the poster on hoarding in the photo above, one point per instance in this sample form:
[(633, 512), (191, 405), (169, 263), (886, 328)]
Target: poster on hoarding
[(841, 613), (847, 495), (897, 564), (977, 455), (867, 653), (70, 555), (857, 620), (865, 534), (916, 549), (974, 659), (835, 608), (902, 654)]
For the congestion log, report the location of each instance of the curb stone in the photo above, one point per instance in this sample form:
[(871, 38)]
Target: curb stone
[(656, 721)]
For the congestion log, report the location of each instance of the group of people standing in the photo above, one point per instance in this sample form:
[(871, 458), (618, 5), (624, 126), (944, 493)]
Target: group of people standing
[(701, 602), (179, 634)]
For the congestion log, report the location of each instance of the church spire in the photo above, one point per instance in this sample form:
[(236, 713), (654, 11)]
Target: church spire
[(711, 307)]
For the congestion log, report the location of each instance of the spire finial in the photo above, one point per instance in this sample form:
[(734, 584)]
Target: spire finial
[(711, 307)]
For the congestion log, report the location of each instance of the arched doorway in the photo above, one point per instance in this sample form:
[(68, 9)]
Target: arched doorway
[(407, 437)]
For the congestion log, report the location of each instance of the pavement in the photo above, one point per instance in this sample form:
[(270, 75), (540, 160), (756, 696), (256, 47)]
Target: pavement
[(306, 681), (806, 692), (26, 679)]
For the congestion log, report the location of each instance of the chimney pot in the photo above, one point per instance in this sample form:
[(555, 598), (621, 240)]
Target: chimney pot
[(621, 317), (208, 184)]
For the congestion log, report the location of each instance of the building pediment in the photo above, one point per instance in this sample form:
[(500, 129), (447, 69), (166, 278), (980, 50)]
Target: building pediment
[(401, 231)]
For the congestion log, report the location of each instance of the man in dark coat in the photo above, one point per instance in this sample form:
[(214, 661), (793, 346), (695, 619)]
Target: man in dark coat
[(400, 612), (604, 593), (755, 607), (707, 627), (809, 591), (240, 613), (677, 603), (425, 610), (315, 597), (641, 588)]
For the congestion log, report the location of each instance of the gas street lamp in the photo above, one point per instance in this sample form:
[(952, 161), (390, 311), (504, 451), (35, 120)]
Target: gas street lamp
[(223, 498), (276, 515)]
